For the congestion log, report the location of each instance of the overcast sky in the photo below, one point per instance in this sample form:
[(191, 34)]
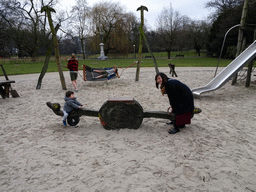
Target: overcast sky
[(195, 9)]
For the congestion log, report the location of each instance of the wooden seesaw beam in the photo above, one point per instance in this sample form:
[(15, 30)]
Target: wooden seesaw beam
[(116, 113)]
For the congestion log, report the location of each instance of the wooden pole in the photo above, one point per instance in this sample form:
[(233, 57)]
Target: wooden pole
[(141, 9), (84, 72), (48, 11), (249, 71), (151, 53), (240, 35), (46, 62)]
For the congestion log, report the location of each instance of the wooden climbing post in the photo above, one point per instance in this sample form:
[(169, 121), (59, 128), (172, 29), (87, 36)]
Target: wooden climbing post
[(48, 11), (46, 62), (149, 50), (84, 74), (141, 9), (249, 71), (143, 37), (240, 35)]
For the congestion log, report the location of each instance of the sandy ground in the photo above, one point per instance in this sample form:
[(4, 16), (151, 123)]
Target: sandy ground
[(217, 152)]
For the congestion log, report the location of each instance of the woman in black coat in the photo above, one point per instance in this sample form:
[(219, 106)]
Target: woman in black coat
[(180, 98)]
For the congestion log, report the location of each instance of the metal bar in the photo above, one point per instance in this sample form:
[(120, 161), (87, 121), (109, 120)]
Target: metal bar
[(159, 114), (87, 112)]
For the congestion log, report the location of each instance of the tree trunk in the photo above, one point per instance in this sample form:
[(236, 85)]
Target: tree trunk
[(169, 54), (198, 52), (82, 45)]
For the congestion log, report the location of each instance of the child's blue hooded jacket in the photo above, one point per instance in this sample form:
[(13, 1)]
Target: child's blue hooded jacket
[(71, 104)]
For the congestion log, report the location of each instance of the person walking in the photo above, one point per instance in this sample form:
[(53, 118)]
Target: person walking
[(73, 69)]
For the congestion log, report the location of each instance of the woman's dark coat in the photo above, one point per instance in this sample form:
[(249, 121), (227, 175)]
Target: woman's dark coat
[(180, 97)]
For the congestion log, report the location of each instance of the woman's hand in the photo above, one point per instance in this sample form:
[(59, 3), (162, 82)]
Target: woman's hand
[(163, 91), (169, 108)]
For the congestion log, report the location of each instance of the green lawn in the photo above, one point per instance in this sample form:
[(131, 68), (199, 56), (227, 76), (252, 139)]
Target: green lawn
[(14, 67)]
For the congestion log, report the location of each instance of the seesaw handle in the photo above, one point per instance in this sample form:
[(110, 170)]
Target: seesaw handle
[(159, 114), (166, 115), (78, 112), (86, 112)]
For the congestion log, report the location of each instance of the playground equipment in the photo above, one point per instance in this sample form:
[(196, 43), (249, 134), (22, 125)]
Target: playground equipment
[(226, 74), (116, 113), (5, 86), (89, 73)]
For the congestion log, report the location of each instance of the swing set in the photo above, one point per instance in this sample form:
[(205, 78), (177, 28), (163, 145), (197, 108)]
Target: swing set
[(89, 75)]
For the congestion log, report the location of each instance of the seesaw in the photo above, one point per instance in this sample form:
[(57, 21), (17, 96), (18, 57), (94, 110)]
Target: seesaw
[(116, 113)]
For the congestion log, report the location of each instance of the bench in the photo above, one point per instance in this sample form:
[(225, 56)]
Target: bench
[(209, 55), (179, 56), (5, 86), (147, 56), (172, 69)]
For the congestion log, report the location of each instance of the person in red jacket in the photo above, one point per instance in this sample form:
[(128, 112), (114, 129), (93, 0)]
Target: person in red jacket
[(73, 68)]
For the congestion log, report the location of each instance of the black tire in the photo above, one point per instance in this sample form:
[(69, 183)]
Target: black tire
[(73, 121)]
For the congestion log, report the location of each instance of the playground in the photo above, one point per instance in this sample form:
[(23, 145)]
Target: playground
[(216, 152)]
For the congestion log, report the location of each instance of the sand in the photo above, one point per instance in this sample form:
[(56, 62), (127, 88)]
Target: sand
[(217, 152)]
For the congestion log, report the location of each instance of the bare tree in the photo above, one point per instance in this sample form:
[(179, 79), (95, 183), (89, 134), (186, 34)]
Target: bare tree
[(168, 24), (81, 26), (183, 40), (199, 31), (25, 24), (223, 5)]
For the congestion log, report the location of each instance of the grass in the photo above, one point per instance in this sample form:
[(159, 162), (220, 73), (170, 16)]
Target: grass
[(18, 66)]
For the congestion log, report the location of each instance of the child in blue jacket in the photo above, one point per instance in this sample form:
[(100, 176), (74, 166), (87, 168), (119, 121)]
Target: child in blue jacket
[(70, 104)]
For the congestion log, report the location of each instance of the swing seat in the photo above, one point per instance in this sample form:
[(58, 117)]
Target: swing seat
[(90, 75)]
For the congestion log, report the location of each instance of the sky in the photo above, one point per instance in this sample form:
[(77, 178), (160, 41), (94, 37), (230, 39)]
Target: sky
[(195, 9)]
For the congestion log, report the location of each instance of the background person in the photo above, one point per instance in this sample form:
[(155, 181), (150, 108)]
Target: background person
[(73, 68), (107, 73)]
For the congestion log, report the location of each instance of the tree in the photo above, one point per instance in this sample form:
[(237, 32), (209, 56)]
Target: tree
[(68, 45), (110, 20), (24, 24), (82, 25), (223, 5), (224, 22), (199, 31), (168, 24), (183, 39)]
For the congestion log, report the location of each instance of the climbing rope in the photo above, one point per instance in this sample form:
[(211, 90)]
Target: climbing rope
[(242, 73)]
